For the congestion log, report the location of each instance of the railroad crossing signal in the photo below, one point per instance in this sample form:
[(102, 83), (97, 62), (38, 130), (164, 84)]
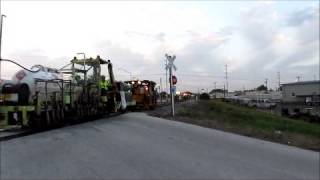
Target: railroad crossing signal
[(170, 62), (173, 79)]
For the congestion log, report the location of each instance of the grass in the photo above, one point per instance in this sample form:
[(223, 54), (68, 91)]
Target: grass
[(250, 122)]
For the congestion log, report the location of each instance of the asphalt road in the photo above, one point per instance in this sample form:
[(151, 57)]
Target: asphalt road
[(135, 146)]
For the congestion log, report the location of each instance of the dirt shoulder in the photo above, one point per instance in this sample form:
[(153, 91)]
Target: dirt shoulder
[(245, 121)]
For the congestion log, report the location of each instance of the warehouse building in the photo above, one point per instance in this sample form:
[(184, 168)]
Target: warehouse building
[(301, 92), (300, 98)]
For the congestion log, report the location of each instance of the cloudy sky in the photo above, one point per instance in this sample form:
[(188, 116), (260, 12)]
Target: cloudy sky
[(256, 39)]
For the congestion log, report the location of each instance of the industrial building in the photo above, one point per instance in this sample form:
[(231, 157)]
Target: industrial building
[(301, 98), (305, 91)]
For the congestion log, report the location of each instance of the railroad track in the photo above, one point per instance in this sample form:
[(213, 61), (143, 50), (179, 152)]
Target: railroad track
[(17, 131)]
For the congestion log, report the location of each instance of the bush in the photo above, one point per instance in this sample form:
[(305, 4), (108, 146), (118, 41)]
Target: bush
[(204, 96)]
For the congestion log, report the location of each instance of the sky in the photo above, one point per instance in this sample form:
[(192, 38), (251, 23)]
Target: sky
[(256, 39)]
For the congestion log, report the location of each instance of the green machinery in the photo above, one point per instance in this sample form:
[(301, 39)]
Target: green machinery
[(56, 101)]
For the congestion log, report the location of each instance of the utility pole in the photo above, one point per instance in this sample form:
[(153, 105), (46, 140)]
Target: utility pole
[(298, 78), (160, 91), (166, 64), (2, 16), (279, 82), (227, 84), (198, 96), (266, 81), (215, 89), (161, 85), (169, 66)]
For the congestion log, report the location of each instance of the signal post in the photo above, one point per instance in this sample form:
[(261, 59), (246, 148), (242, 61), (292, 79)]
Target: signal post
[(172, 80)]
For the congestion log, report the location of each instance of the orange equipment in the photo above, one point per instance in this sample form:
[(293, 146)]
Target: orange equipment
[(143, 93)]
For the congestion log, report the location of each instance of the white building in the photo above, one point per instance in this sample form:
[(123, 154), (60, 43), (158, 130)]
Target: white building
[(305, 91), (301, 97)]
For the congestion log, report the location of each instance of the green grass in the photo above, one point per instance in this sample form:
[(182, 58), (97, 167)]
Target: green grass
[(243, 117)]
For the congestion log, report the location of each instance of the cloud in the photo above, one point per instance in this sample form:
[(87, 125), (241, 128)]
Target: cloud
[(257, 42), (159, 36), (279, 42), (299, 17), (259, 24)]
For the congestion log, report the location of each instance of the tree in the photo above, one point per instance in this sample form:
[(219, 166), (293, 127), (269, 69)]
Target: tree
[(262, 88), (216, 91)]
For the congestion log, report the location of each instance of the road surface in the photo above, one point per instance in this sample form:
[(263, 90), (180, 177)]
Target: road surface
[(137, 146)]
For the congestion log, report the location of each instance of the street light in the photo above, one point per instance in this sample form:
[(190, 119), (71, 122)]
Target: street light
[(2, 16)]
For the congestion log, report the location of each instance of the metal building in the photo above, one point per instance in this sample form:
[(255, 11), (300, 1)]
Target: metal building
[(305, 91), (300, 98)]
